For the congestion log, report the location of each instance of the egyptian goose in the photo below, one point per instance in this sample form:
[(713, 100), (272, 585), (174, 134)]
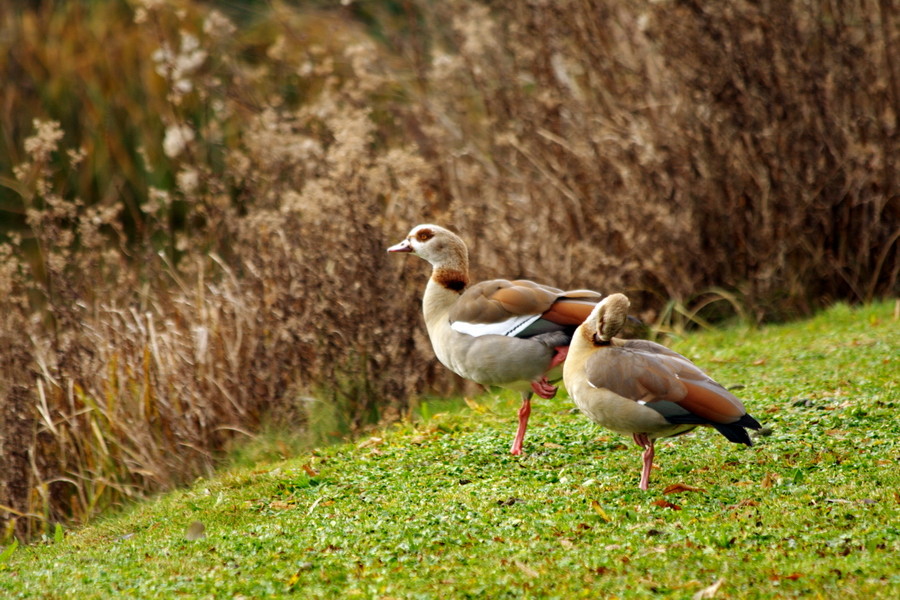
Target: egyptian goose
[(642, 389), (512, 334)]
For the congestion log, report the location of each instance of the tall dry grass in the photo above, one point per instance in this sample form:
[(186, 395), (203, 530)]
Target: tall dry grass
[(196, 208), (672, 147), (143, 333)]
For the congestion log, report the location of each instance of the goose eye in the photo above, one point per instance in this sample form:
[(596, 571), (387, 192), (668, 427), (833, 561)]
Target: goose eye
[(424, 235)]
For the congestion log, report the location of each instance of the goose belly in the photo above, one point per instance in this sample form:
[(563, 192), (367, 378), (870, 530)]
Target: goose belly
[(622, 415), (495, 359)]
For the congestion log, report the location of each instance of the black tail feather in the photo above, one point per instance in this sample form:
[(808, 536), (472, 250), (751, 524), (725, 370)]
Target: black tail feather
[(736, 432)]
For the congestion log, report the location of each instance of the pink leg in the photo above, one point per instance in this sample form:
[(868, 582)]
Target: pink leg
[(646, 443), (559, 357), (524, 413), (543, 388)]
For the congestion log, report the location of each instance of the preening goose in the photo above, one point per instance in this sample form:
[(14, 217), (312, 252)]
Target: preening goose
[(512, 334), (642, 389)]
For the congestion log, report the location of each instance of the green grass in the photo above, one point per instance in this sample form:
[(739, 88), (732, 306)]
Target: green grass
[(439, 509)]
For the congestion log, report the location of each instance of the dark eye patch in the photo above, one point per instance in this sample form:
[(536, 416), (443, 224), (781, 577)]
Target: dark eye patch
[(424, 235)]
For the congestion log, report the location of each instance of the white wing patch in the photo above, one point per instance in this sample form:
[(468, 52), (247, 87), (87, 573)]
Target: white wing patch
[(510, 327)]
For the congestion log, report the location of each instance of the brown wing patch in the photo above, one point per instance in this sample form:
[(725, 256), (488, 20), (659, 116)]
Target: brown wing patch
[(651, 372), (591, 295), (659, 383), (710, 401), (704, 397), (520, 299), (633, 375), (569, 312), (499, 299)]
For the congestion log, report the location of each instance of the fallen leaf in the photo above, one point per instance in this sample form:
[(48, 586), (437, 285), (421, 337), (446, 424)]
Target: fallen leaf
[(479, 408), (281, 505), (527, 570), (552, 445), (509, 501), (743, 503), (677, 488), (195, 531), (759, 362), (294, 579), (662, 503), (313, 506), (768, 480), (599, 510), (792, 576), (371, 442), (709, 592), (566, 543), (309, 470)]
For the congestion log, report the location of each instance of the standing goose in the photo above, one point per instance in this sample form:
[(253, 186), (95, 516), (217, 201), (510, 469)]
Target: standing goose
[(512, 334), (642, 389)]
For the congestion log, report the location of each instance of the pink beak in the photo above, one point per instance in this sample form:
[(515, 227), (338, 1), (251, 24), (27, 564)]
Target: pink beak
[(403, 246)]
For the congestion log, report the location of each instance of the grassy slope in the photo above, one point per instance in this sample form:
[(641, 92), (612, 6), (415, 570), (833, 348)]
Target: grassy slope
[(441, 509)]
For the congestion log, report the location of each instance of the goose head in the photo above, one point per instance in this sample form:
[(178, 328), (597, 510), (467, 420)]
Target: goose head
[(439, 246), (607, 319)]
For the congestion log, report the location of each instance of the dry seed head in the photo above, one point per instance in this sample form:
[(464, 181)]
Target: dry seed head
[(44, 141), (177, 139), (217, 25)]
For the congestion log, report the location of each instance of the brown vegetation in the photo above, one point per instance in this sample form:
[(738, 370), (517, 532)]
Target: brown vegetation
[(197, 211)]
